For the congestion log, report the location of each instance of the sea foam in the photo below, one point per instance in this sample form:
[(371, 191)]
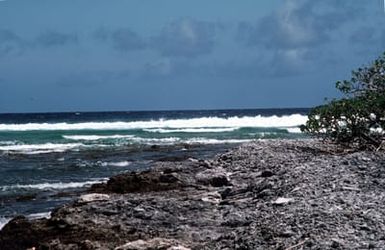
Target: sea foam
[(191, 130), (4, 221), (52, 186), (216, 141), (116, 164), (35, 216), (95, 137), (204, 122), (197, 140), (40, 148)]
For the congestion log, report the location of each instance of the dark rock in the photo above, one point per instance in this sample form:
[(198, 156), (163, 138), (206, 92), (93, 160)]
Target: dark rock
[(267, 173), (168, 178), (204, 163), (139, 182), (213, 177), (155, 147), (26, 197), (236, 220), (174, 158), (219, 181), (18, 234), (273, 194), (225, 193)]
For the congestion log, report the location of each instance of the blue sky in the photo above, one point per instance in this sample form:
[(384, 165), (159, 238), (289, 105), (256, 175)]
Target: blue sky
[(93, 55)]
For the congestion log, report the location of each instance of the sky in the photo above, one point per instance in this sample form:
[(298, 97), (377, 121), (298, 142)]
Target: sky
[(122, 55)]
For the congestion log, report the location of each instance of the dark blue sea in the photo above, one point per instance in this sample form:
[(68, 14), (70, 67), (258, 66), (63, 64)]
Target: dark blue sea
[(47, 159)]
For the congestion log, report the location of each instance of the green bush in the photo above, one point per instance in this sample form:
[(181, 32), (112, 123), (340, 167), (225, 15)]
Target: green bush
[(358, 119)]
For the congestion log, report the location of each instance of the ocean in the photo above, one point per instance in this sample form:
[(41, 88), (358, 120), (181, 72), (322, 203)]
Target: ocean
[(47, 159)]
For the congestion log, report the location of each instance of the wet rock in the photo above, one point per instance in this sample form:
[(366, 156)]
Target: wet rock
[(174, 158), (26, 197)]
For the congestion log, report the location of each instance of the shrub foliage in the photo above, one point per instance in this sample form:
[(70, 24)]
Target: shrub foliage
[(357, 119)]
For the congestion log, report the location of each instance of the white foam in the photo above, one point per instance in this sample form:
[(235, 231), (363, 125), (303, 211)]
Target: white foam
[(216, 141), (51, 186), (116, 164), (4, 221), (163, 141), (39, 148), (377, 130), (198, 140), (204, 122), (294, 130), (191, 130), (47, 215), (35, 216), (95, 137), (8, 142)]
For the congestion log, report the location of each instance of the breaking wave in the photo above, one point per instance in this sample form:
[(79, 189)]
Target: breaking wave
[(116, 164), (51, 186), (191, 130), (204, 122), (95, 137), (40, 148), (4, 221)]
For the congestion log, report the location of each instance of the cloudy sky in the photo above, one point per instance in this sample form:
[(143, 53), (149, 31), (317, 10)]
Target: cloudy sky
[(92, 55)]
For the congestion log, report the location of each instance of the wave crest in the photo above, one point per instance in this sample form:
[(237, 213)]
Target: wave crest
[(204, 122), (40, 148), (95, 137), (51, 186)]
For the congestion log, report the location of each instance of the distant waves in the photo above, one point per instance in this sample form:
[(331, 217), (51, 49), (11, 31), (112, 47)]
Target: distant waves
[(203, 122), (44, 138)]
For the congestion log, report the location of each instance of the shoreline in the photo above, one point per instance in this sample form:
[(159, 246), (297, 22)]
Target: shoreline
[(270, 194)]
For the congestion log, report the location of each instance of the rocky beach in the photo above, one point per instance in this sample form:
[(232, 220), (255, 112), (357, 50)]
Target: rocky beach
[(269, 194)]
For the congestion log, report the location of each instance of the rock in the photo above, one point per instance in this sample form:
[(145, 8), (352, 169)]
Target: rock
[(282, 201), (204, 163), (219, 181), (153, 244), (193, 160), (26, 197), (90, 245), (187, 204), (93, 197), (18, 234), (214, 177), (213, 197), (266, 174), (337, 244), (236, 220), (174, 158), (146, 181)]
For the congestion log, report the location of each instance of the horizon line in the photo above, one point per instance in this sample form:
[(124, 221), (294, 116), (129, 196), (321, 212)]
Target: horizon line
[(148, 110)]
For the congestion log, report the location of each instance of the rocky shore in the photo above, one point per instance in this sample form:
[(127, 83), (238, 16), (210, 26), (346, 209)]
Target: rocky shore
[(274, 194)]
